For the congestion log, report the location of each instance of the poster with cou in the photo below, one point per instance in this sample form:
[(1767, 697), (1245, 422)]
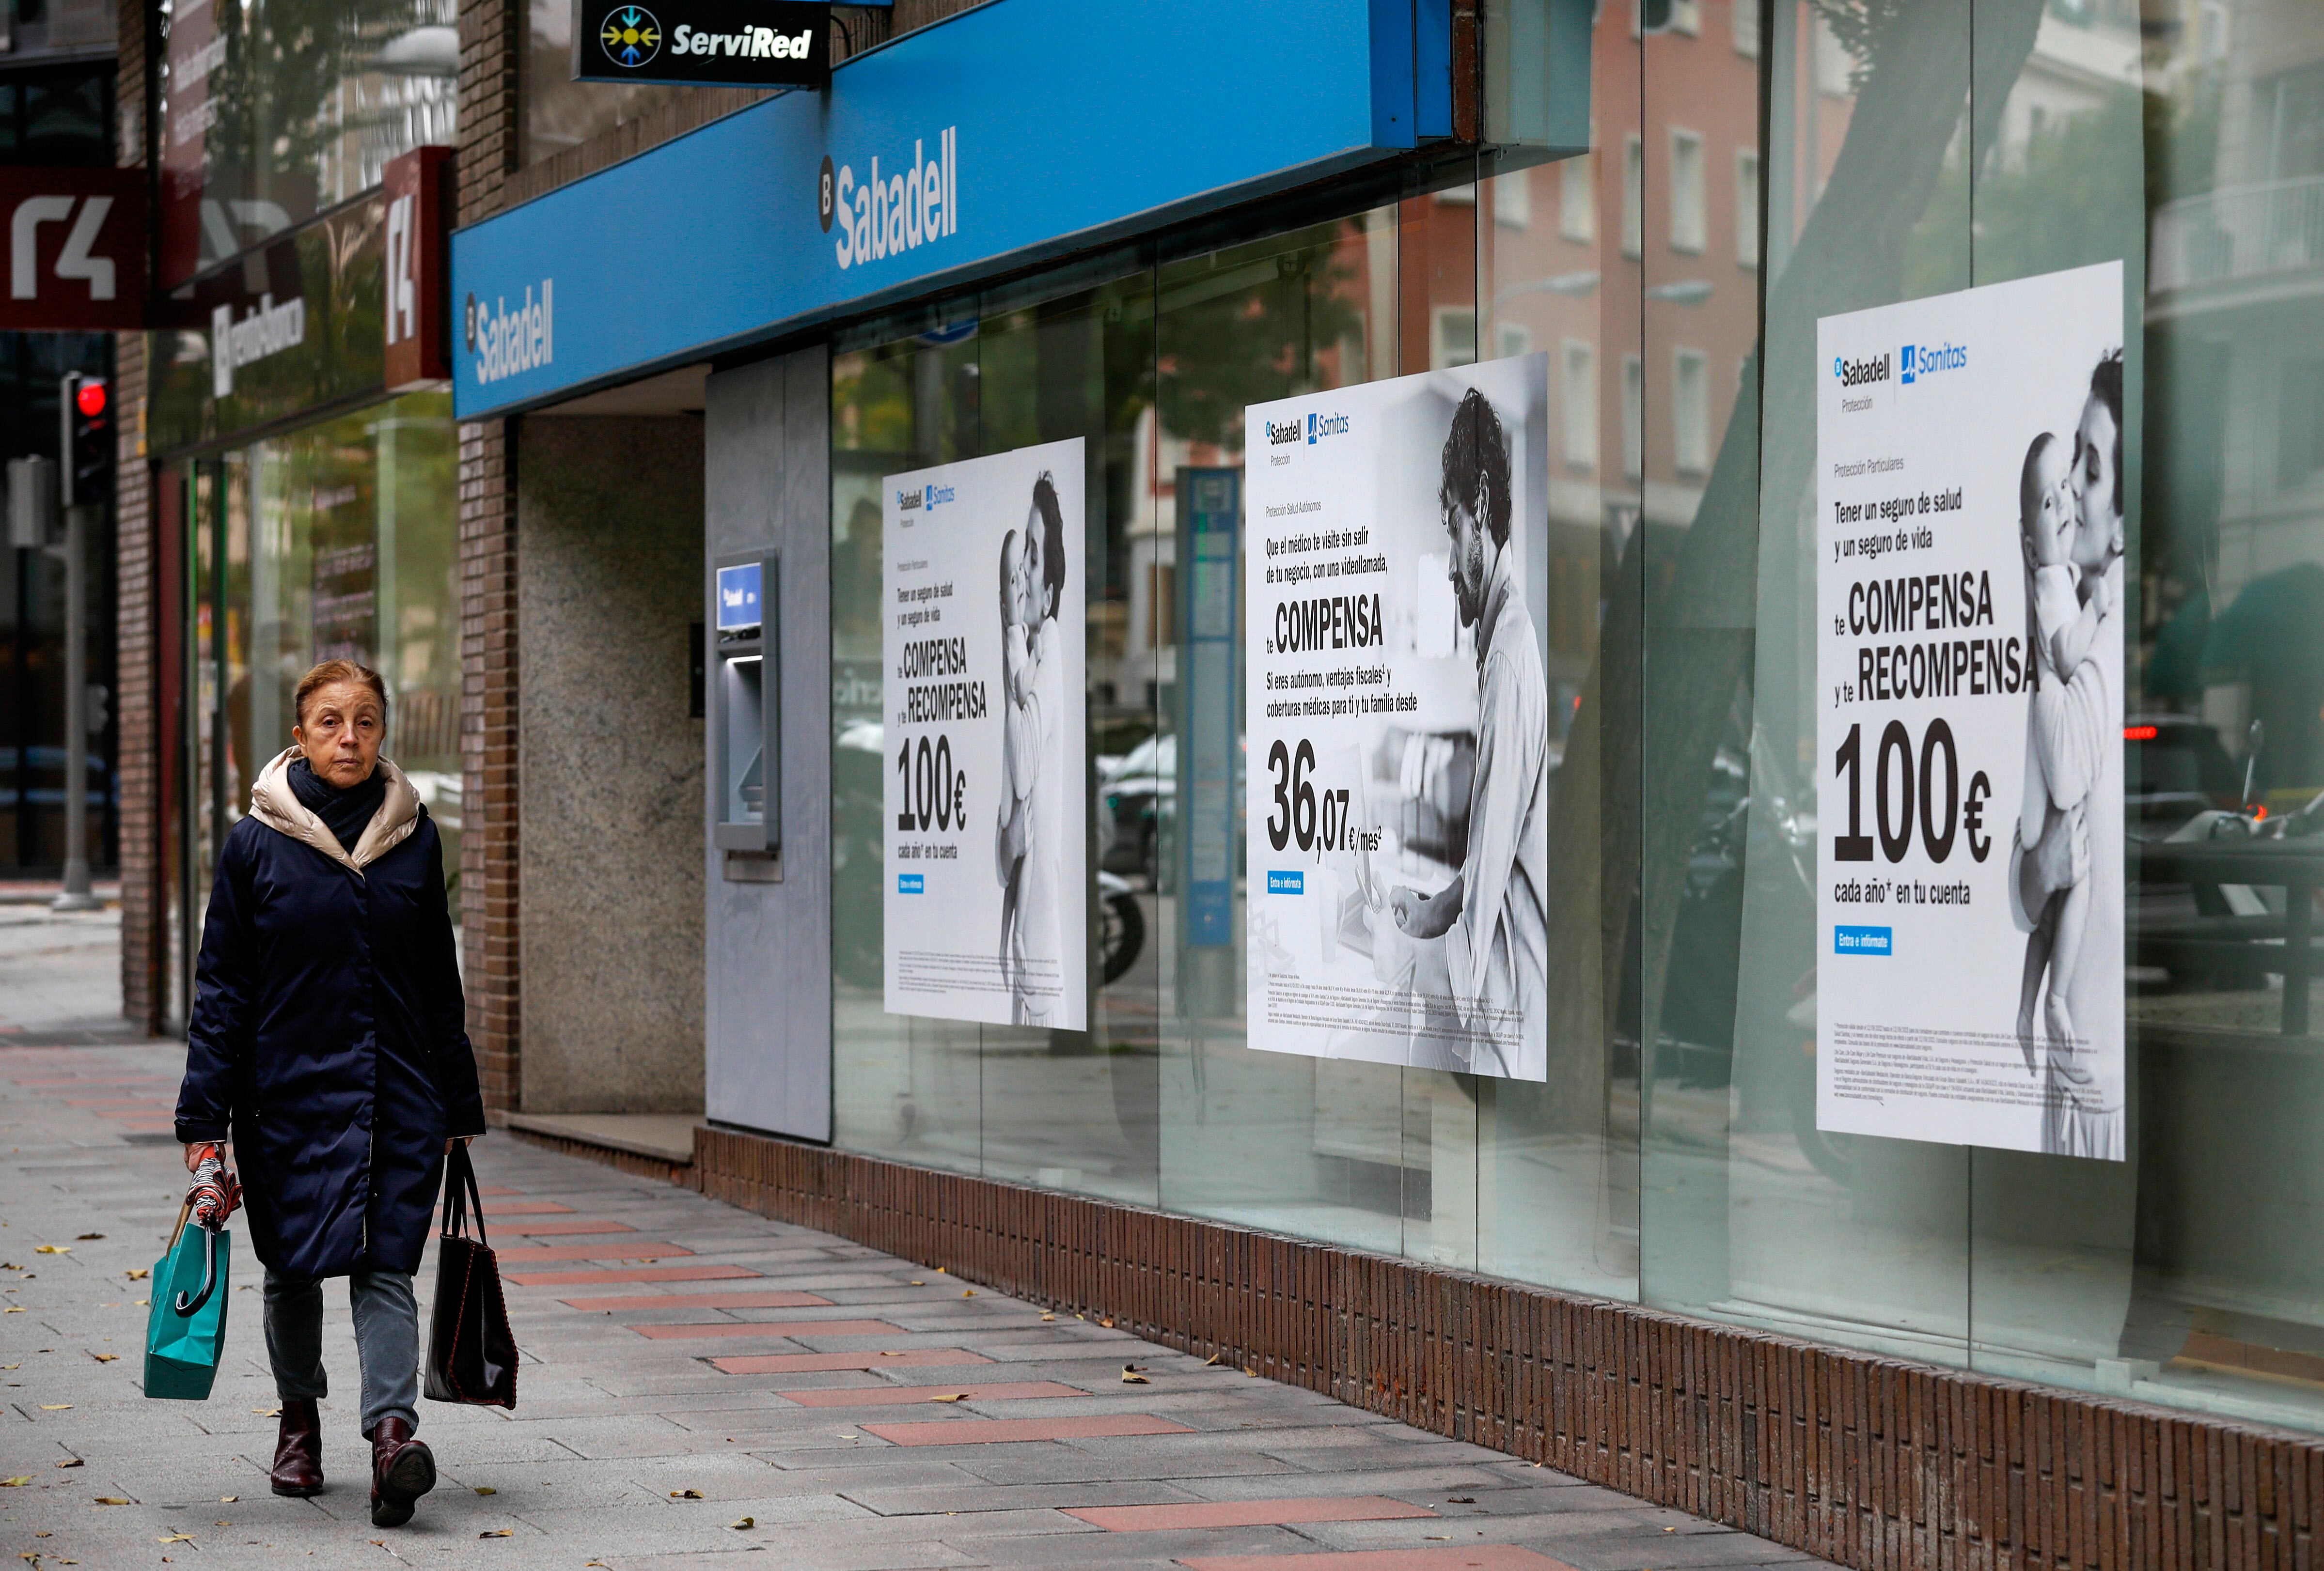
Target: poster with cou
[(1970, 700), (1401, 754), (984, 733)]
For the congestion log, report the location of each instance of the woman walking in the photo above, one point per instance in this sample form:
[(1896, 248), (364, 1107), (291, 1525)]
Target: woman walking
[(328, 1041)]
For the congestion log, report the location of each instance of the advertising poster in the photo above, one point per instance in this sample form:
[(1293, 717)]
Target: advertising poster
[(986, 797), (1400, 757), (1970, 788)]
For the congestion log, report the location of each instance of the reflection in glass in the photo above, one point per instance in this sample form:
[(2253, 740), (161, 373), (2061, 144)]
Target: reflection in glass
[(1750, 1212), (2225, 1304), (1557, 1162), (275, 111), (1320, 1148), (31, 631), (901, 1086), (1077, 1109), (338, 541)]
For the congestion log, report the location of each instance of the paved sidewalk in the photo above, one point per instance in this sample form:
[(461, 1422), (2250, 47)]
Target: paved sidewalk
[(60, 972), (700, 1384)]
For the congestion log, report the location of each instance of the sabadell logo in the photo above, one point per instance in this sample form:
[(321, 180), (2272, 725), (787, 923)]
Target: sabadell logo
[(510, 339), (1856, 372), (895, 209)]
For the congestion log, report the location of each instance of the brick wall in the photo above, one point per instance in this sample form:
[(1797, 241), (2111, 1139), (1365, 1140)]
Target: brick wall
[(1871, 1462), (488, 811), (630, 1162), (144, 942), (686, 110), (491, 35)]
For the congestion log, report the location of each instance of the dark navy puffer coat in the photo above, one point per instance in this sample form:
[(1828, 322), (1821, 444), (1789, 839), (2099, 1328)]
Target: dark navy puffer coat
[(327, 1035)]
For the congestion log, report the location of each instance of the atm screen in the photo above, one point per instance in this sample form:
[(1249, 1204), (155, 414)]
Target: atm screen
[(738, 597)]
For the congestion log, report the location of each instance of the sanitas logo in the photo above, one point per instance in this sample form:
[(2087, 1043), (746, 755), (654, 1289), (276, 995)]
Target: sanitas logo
[(1284, 435), (936, 496), (1919, 360), (1326, 426), (1856, 372), (889, 214), (506, 342)]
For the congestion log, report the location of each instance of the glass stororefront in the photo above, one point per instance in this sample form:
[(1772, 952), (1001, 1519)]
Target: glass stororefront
[(1746, 169), (52, 115), (1338, 1151), (33, 633), (337, 541), (1756, 1214), (1935, 147), (1152, 361), (56, 116), (1074, 1109), (2207, 1237), (272, 111)]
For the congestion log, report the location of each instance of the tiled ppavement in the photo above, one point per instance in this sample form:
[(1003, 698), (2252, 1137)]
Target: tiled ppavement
[(1876, 1463), (963, 1428)]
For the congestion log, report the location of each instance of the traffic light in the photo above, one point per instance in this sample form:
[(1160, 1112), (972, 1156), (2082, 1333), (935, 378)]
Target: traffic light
[(88, 455)]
